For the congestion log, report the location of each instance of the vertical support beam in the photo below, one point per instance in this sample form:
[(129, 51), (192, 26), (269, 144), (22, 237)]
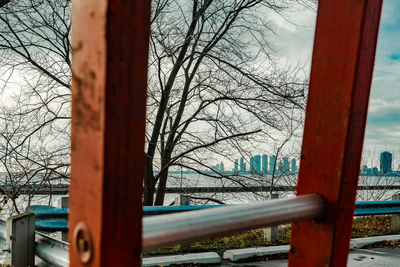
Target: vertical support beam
[(62, 203), (341, 73), (109, 71), (21, 240)]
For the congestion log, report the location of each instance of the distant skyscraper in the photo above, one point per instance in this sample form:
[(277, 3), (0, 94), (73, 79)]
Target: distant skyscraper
[(386, 162), (280, 168), (264, 164), (286, 166), (257, 164), (375, 171), (294, 166), (252, 168), (242, 165), (221, 167), (236, 167), (216, 168), (364, 170), (272, 160)]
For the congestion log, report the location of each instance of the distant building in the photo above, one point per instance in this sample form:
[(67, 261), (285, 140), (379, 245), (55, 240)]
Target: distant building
[(264, 164), (294, 166), (257, 164), (375, 171), (252, 167), (236, 167), (286, 166), (272, 166), (242, 165), (221, 167), (216, 168), (280, 168), (364, 170), (386, 162)]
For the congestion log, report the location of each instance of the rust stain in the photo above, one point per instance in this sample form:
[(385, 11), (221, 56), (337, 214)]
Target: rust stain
[(84, 114)]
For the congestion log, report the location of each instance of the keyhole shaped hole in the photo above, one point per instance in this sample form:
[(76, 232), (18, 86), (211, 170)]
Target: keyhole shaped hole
[(83, 245), (83, 242)]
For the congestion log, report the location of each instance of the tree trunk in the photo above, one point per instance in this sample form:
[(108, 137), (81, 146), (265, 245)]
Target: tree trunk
[(162, 184), (148, 184)]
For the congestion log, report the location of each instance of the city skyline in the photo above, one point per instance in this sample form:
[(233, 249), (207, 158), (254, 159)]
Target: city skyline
[(385, 166), (259, 164)]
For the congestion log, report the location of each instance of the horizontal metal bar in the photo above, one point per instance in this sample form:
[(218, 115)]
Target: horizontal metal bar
[(52, 251), (364, 208), (163, 230)]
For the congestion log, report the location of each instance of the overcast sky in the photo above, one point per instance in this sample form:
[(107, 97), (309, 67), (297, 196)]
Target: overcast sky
[(383, 125)]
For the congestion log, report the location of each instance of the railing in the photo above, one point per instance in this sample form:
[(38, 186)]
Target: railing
[(198, 222), (171, 229), (50, 250)]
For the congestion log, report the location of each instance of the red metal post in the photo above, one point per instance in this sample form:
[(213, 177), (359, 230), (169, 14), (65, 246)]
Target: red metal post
[(341, 72), (110, 56)]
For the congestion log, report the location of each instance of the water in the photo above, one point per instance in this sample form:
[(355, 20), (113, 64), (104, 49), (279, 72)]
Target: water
[(200, 180)]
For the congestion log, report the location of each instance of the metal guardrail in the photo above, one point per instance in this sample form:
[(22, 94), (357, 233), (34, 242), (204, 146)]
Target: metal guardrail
[(163, 230), (52, 251), (199, 222), (364, 208)]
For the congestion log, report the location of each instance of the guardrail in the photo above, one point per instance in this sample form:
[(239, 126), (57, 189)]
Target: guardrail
[(16, 243), (168, 226)]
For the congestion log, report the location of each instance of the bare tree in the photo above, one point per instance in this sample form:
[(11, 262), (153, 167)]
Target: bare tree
[(214, 87), (214, 84), (35, 56)]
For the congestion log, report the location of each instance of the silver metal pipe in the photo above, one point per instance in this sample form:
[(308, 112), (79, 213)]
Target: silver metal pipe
[(52, 251), (178, 228)]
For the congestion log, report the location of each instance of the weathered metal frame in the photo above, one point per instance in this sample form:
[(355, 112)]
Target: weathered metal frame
[(109, 76), (108, 113), (340, 81)]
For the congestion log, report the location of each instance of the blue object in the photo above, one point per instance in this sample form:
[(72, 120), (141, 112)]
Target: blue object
[(159, 210), (364, 208), (49, 219)]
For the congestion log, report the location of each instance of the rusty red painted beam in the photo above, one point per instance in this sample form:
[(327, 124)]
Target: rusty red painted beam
[(110, 57), (341, 73)]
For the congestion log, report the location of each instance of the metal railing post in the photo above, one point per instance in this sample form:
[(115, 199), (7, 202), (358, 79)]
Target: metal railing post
[(271, 234), (20, 240), (396, 217), (63, 203), (181, 200)]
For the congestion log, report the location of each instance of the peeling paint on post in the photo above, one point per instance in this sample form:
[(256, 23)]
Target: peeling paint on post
[(341, 72), (109, 67)]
